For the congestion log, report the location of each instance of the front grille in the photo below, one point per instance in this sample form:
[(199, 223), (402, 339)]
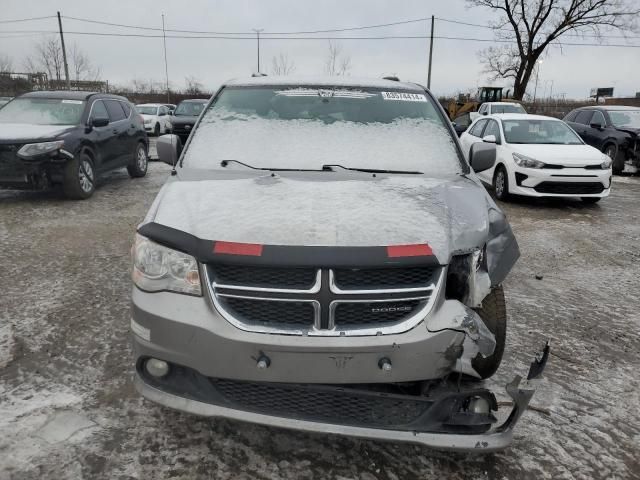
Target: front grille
[(292, 278), (322, 301), (566, 188), (381, 278), (322, 404), (372, 313), (268, 312)]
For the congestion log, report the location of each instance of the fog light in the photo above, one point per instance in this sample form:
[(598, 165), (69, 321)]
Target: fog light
[(385, 364), (479, 405), (156, 368)]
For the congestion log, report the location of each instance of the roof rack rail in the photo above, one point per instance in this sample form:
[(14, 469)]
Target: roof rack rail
[(258, 74), (393, 78)]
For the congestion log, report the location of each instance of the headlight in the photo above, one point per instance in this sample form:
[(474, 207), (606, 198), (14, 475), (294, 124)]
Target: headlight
[(527, 162), (34, 149), (157, 268), (606, 164), (147, 120)]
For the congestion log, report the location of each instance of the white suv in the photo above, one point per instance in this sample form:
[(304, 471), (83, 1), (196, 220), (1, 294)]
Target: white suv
[(156, 118), (490, 108)]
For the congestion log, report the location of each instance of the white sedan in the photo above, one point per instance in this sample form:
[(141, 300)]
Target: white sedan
[(156, 118), (539, 156)]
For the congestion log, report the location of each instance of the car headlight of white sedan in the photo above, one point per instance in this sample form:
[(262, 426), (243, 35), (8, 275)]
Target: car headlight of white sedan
[(527, 162), (157, 268), (606, 163)]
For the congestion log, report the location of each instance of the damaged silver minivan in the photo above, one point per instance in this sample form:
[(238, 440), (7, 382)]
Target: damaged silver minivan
[(323, 258)]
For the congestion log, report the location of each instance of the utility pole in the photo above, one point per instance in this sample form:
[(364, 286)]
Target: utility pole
[(166, 68), (64, 54), (258, 30), (430, 52), (535, 89)]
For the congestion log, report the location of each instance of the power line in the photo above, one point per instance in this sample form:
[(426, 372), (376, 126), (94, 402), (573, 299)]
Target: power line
[(386, 37), (27, 19)]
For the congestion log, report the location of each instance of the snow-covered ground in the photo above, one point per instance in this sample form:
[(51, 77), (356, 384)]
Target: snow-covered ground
[(68, 409)]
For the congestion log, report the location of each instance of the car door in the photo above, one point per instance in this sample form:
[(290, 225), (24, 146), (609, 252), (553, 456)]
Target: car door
[(492, 128), (581, 122), (595, 136), (119, 129), (473, 135), (101, 137), (133, 132)]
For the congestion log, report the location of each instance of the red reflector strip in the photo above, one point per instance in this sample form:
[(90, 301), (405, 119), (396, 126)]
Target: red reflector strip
[(417, 250), (232, 248)]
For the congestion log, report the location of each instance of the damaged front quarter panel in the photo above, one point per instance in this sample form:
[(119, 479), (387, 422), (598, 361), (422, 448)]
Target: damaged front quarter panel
[(501, 249)]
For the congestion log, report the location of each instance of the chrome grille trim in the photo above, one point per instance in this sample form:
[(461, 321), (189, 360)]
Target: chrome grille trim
[(428, 293)]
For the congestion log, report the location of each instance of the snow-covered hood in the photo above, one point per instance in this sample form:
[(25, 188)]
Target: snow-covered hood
[(321, 209), (566, 155), (20, 132)]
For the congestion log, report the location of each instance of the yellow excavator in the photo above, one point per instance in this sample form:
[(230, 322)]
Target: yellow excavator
[(465, 103)]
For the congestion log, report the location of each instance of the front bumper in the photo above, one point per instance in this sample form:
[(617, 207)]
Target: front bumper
[(568, 182), (466, 432)]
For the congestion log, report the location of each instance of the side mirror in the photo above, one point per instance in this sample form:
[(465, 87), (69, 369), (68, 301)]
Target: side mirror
[(454, 124), (485, 113), (161, 114), (489, 139), (169, 148), (99, 122), (597, 126), (482, 156)]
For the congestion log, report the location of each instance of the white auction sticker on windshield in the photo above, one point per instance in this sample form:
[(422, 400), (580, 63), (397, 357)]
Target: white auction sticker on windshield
[(404, 97), (75, 102)]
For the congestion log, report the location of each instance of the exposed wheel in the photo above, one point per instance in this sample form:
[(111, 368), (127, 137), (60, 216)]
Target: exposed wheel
[(138, 166), (79, 177), (156, 130), (617, 158), (590, 199), (501, 183), (494, 314)]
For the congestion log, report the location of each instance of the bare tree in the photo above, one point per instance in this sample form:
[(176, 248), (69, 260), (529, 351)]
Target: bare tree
[(143, 85), (282, 65), (47, 57), (527, 27), (193, 85), (83, 69), (337, 63), (6, 64)]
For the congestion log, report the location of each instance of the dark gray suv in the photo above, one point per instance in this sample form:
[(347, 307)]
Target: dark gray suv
[(323, 258)]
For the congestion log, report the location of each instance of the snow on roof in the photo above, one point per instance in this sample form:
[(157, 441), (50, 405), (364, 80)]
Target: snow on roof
[(339, 81)]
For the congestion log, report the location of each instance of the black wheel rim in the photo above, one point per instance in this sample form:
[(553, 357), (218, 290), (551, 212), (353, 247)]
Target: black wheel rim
[(85, 175)]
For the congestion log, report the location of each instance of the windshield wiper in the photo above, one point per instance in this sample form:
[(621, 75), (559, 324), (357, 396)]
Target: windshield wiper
[(369, 170), (224, 163)]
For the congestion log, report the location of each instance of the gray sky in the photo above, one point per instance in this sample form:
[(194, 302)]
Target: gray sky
[(455, 63)]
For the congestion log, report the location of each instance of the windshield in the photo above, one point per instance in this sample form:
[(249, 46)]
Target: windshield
[(507, 109), (625, 118), (191, 109), (42, 111), (539, 132), (142, 110), (306, 128)]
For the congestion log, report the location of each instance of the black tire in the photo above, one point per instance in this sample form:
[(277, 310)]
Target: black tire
[(590, 199), (79, 180), (617, 157), (140, 162), (156, 130), (494, 314), (501, 186)]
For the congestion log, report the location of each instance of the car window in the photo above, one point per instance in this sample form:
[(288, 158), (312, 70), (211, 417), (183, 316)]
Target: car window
[(43, 111), (508, 109), (547, 132), (492, 129), (306, 127), (163, 110), (598, 118), (127, 109), (571, 116), (482, 109), (99, 110), (463, 120), (625, 118), (584, 116), (115, 110), (476, 130), (189, 109)]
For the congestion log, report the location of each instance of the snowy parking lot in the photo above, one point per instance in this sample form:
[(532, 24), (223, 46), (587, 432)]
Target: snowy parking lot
[(68, 409)]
